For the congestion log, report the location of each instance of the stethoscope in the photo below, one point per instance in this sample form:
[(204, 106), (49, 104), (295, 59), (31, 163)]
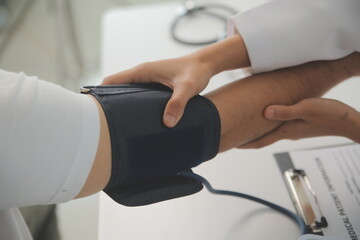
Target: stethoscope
[(190, 9)]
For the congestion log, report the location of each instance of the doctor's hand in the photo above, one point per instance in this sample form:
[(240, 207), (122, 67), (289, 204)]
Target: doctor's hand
[(310, 117), (187, 75)]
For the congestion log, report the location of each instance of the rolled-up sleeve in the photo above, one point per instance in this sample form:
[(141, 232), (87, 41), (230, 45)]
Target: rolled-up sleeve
[(48, 141), (286, 33)]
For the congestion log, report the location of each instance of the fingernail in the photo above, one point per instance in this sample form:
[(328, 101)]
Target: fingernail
[(270, 113), (170, 120)]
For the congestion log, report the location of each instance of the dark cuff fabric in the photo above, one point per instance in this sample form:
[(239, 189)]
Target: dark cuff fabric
[(146, 155)]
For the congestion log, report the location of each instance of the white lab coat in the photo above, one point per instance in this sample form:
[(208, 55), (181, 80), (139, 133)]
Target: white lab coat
[(277, 34), (287, 33)]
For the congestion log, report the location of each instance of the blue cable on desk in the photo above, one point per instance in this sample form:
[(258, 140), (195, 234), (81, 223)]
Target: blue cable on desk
[(296, 217)]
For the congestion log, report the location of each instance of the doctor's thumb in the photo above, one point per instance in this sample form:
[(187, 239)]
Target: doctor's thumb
[(174, 111), (280, 113), (175, 107)]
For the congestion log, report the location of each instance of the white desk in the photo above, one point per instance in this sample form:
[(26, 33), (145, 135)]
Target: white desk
[(138, 34)]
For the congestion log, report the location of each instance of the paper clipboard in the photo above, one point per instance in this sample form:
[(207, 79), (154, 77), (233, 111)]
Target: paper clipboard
[(302, 194)]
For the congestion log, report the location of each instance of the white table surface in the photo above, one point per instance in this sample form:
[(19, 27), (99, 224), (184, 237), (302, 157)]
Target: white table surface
[(137, 34)]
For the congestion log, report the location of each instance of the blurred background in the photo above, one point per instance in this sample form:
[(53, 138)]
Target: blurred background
[(56, 40)]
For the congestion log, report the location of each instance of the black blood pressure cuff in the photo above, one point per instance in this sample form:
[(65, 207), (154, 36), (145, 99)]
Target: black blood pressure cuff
[(146, 155)]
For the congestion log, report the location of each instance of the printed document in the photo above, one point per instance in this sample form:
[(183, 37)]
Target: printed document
[(334, 174)]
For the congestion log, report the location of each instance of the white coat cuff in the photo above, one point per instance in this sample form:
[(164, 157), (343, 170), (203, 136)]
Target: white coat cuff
[(287, 33)]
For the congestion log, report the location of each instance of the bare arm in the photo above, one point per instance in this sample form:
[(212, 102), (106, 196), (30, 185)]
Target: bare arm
[(241, 106), (100, 172), (314, 117), (241, 103)]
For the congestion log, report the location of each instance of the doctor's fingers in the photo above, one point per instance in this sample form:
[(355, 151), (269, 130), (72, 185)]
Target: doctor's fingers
[(127, 76), (141, 73), (299, 110), (292, 130)]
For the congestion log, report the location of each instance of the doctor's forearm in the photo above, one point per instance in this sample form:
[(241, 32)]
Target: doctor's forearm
[(227, 54)]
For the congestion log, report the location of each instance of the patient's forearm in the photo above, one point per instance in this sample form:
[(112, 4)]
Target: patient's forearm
[(241, 103)]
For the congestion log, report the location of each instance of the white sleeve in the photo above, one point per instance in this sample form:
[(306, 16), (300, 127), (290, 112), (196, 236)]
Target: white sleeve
[(286, 33), (48, 141)]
